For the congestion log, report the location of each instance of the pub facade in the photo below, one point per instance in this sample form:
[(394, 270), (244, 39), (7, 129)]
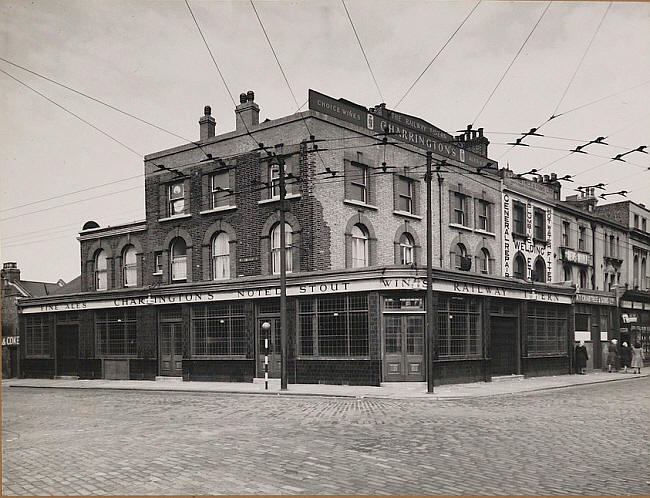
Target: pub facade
[(185, 293)]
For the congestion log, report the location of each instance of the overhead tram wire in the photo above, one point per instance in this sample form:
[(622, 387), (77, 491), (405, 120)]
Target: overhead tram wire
[(362, 51), (548, 4), (437, 54)]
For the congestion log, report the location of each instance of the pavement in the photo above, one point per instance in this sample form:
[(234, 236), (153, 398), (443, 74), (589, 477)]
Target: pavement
[(506, 385)]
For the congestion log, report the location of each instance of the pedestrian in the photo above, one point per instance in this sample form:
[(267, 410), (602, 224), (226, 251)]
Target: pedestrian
[(626, 356), (612, 355), (637, 358), (581, 357)]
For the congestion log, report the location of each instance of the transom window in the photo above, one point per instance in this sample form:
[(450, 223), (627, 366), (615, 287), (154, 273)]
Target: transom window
[(178, 253), (406, 246), (275, 248), (129, 267), (221, 256), (176, 197), (101, 271), (405, 188), (219, 183), (359, 246), (358, 182)]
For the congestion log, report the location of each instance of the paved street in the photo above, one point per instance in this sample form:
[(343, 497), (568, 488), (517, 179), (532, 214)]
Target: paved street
[(582, 440)]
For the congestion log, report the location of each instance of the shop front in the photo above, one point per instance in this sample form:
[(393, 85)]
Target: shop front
[(634, 310), (595, 317), (10, 366)]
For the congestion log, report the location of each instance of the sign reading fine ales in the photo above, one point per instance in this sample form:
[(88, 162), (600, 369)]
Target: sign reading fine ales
[(404, 128)]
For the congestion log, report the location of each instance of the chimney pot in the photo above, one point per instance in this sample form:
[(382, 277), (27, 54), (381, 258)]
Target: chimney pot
[(242, 98), (207, 124), (553, 176), (10, 272), (546, 178), (247, 114), (207, 111), (250, 96)]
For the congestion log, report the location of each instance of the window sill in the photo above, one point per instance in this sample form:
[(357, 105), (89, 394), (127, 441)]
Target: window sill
[(406, 214), (218, 209), (542, 242), (277, 199), (462, 227), (352, 202), (517, 235), (157, 273), (176, 217), (485, 232)]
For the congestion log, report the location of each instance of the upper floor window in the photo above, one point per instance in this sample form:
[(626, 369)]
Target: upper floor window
[(176, 198), (635, 271), (539, 224), (636, 221), (221, 256), (459, 205), (358, 188), (406, 246), (484, 216), (219, 183), (643, 225), (129, 267), (519, 267), (158, 263), (274, 181), (518, 218), (568, 273), (405, 188), (539, 272), (485, 262), (101, 270), (359, 246), (178, 251), (582, 234), (566, 230), (460, 259), (583, 279), (275, 248)]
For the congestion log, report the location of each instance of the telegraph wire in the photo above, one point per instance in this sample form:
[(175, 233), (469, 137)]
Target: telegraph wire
[(548, 4), (362, 50), (437, 54)]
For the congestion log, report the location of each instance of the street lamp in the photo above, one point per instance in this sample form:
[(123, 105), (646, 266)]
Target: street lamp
[(266, 327)]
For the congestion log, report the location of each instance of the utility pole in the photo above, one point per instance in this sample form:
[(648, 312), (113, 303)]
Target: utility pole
[(428, 354), (283, 277)]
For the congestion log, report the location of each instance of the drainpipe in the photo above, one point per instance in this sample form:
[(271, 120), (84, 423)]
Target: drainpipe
[(440, 214)]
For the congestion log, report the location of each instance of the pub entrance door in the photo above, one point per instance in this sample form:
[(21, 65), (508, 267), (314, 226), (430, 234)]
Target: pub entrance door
[(503, 342), (274, 350), (67, 349), (403, 347)]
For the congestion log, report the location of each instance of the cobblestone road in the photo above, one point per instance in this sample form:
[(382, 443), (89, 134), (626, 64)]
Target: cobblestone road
[(585, 440)]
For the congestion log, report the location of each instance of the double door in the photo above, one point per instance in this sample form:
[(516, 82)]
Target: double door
[(171, 349), (404, 347), (274, 349)]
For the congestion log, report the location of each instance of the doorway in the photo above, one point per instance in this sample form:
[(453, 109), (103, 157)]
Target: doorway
[(171, 349), (504, 345), (274, 346), (67, 349), (403, 347)]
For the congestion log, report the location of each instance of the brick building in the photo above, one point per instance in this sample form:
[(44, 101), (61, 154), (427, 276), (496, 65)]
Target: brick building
[(184, 292)]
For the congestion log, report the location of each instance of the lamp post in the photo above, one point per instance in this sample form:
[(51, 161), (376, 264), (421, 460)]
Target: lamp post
[(429, 350), (266, 328)]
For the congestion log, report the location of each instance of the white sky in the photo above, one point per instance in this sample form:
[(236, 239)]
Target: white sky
[(147, 57)]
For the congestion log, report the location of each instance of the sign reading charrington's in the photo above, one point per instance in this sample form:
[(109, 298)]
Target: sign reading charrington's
[(401, 127), (369, 284)]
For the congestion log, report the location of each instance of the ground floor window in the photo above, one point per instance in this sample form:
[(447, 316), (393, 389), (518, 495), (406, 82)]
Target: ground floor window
[(583, 315), (116, 332), (219, 329), (37, 336), (459, 327), (546, 329), (333, 326)]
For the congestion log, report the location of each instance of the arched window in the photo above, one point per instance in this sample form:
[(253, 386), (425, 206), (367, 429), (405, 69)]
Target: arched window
[(583, 279), (359, 246), (485, 262), (275, 248), (101, 270), (460, 258), (519, 267), (406, 249), (568, 273), (539, 272), (129, 267), (644, 277), (178, 251), (221, 256), (635, 272)]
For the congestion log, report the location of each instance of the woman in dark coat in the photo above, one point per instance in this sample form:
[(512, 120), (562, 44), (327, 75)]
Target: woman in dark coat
[(581, 358), (612, 355), (626, 356)]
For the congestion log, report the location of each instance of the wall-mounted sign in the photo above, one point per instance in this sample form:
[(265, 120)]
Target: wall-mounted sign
[(629, 317), (12, 340), (581, 258), (403, 128), (595, 299)]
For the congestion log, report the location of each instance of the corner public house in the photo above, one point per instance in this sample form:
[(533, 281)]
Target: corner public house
[(184, 293)]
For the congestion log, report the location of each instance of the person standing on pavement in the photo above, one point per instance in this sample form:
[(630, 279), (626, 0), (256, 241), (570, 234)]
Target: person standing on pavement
[(626, 356), (637, 358), (581, 358), (612, 355)]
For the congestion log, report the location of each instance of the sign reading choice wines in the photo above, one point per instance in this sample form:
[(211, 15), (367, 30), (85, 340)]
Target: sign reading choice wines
[(524, 243), (404, 128)]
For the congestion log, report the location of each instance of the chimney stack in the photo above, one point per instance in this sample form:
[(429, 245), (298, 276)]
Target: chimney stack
[(247, 113), (10, 272), (206, 124)]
